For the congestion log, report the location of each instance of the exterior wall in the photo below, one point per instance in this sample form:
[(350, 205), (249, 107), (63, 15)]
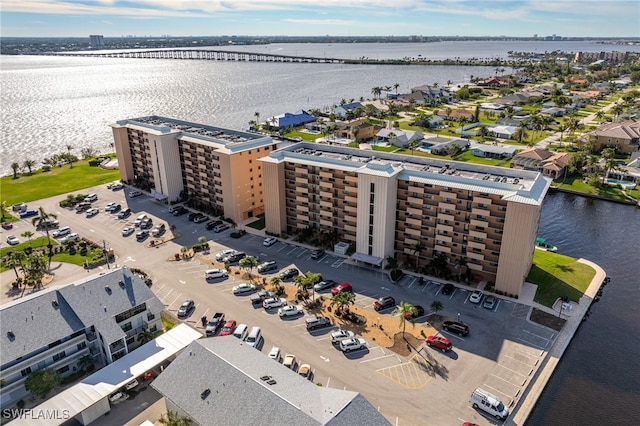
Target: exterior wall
[(94, 412), (165, 160), (625, 146), (376, 215), (274, 198), (123, 153), (520, 231)]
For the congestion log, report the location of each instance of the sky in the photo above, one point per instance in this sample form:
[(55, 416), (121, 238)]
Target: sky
[(517, 18)]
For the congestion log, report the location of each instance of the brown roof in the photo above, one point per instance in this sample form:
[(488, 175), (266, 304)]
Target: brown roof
[(535, 154), (626, 130)]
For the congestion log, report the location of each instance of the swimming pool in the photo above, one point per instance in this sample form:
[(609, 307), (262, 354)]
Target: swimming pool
[(381, 143), (623, 184)]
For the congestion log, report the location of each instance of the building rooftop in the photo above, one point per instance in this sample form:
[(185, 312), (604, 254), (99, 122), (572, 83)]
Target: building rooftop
[(33, 323), (232, 140), (224, 381), (526, 185)]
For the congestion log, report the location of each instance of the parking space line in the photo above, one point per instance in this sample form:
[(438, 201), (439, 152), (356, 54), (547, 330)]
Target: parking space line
[(531, 344), (513, 371), (541, 337), (284, 246), (323, 258), (412, 282), (377, 358), (337, 263), (302, 253), (174, 300), (451, 334), (292, 250)]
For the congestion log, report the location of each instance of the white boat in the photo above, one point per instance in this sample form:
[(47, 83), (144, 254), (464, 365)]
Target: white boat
[(541, 244)]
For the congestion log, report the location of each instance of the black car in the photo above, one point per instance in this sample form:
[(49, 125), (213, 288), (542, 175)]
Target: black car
[(447, 289), (200, 219), (457, 327), (289, 273), (213, 224), (384, 303), (193, 215), (186, 308), (317, 253), (141, 235), (419, 313), (179, 211), (235, 257)]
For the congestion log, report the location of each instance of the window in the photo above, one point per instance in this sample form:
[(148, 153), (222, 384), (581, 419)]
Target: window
[(81, 345), (26, 372), (63, 369), (127, 327), (59, 356)]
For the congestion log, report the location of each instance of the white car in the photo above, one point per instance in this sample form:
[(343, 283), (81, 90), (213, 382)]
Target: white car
[(132, 384), (117, 396), (244, 288), (211, 274), (12, 240), (221, 255), (109, 206), (274, 302), (61, 232), (353, 344), (134, 193), (269, 241), (221, 227), (289, 311), (92, 212), (274, 354), (117, 186), (290, 361), (128, 231), (339, 335), (476, 296), (70, 237)]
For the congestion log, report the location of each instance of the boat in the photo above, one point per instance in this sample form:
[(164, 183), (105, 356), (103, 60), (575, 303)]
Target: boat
[(542, 244)]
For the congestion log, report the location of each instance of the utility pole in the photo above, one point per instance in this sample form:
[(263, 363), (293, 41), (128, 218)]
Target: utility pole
[(104, 250)]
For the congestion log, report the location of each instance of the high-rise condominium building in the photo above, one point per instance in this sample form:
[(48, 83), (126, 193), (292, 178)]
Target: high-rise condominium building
[(213, 167), (478, 218)]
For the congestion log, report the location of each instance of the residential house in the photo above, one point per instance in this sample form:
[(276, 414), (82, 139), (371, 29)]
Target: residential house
[(358, 130), (399, 138), (624, 137), (99, 317), (502, 132), (550, 164), (428, 95), (553, 111), (438, 145), (346, 110), (494, 82), (288, 120), (493, 151), (456, 114), (224, 381)]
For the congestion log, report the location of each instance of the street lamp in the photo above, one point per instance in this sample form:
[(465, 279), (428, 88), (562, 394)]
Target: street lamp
[(458, 316), (106, 254)]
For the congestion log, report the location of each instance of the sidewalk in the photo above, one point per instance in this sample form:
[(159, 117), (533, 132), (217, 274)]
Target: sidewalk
[(527, 401)]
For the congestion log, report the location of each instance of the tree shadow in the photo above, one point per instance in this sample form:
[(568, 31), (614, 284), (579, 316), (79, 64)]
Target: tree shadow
[(425, 361)]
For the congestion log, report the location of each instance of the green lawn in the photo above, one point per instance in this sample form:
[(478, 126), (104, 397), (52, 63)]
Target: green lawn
[(258, 224), (557, 275), (304, 135), (575, 183), (59, 180), (466, 156)]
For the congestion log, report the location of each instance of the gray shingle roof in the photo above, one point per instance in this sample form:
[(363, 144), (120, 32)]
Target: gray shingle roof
[(35, 322), (234, 372)]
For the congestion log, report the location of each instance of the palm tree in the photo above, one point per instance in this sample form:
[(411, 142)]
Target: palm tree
[(28, 164), (413, 145), (376, 91), (436, 306), (406, 312), (599, 115), (248, 263), (275, 282), (145, 336), (171, 418), (521, 132), (27, 235), (610, 162), (43, 218), (3, 210), (85, 363), (617, 110), (342, 301), (395, 86), (69, 148), (15, 260), (417, 249), (15, 167)]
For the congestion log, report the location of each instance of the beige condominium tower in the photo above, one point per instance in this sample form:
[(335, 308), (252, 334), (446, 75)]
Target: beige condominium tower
[(216, 168), (481, 218)]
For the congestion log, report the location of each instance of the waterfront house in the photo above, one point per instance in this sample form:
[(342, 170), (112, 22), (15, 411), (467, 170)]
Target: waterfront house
[(624, 137), (550, 164), (456, 114), (345, 110), (290, 120), (95, 321), (358, 130), (399, 138)]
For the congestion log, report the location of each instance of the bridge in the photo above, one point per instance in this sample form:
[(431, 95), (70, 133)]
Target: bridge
[(210, 55)]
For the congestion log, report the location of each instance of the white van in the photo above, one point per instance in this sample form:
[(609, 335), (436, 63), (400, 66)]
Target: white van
[(91, 198), (241, 331), (489, 403), (254, 337)]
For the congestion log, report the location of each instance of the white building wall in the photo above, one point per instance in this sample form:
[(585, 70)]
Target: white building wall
[(384, 214), (165, 160)]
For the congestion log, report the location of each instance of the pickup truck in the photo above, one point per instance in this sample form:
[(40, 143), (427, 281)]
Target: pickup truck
[(261, 297), (214, 324)]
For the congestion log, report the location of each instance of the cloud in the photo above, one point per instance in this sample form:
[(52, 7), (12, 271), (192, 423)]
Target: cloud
[(320, 21)]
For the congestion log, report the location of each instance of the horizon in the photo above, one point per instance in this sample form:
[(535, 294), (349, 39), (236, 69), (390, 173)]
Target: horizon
[(617, 19)]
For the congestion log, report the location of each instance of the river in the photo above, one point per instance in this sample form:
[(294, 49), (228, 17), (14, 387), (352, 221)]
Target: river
[(51, 102)]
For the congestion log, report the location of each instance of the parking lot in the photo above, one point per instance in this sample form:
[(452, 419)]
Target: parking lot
[(501, 353)]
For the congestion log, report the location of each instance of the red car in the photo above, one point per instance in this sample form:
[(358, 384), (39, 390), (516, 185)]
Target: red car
[(439, 343), (228, 328), (7, 225), (342, 287)]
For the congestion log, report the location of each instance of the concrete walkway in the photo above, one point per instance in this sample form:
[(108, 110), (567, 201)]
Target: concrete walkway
[(574, 318)]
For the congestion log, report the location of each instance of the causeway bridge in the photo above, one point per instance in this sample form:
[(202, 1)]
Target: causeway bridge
[(201, 54)]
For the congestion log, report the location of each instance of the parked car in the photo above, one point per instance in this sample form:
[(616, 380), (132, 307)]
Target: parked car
[(61, 232), (269, 241), (489, 302), (109, 206), (447, 289), (439, 342), (117, 186), (315, 322), (290, 361), (132, 384), (116, 208), (221, 227), (124, 214), (340, 288), (179, 211), (221, 255), (142, 235), (92, 212), (476, 296), (186, 308), (269, 265), (200, 219), (341, 334), (457, 327), (158, 230), (7, 225), (70, 237), (244, 288), (352, 344), (289, 273), (128, 231), (419, 313), (211, 274), (384, 303), (235, 257), (317, 253), (275, 353), (214, 324), (289, 311), (134, 193), (47, 224), (261, 296), (228, 328), (193, 215), (28, 213), (139, 220), (12, 240), (325, 285), (114, 397), (91, 198), (274, 302), (305, 371), (212, 224)]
